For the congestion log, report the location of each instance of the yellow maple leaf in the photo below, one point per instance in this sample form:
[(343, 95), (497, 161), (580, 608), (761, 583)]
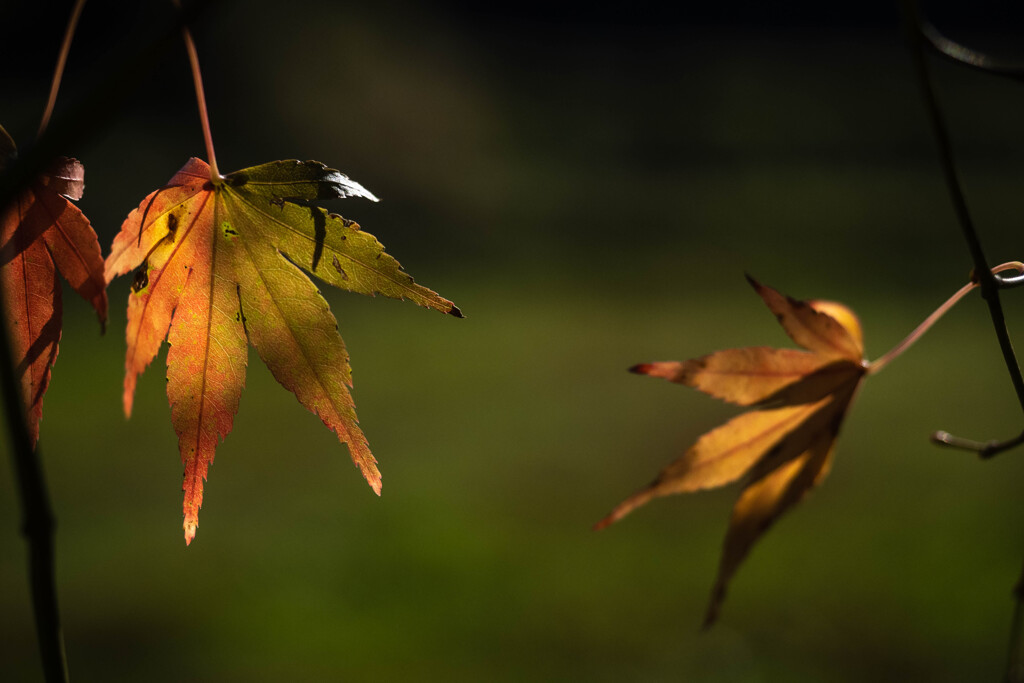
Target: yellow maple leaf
[(784, 446)]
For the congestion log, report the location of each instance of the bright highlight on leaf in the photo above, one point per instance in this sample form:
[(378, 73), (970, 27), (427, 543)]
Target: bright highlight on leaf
[(42, 232), (784, 447), (218, 263)]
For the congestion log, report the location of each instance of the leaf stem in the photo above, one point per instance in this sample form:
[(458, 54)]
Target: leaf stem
[(62, 58), (895, 351), (102, 99), (197, 78)]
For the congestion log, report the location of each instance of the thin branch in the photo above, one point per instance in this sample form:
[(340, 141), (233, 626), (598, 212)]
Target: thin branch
[(944, 146), (985, 450), (38, 522), (62, 59), (990, 286), (86, 116), (1015, 660), (986, 279), (37, 517), (965, 56)]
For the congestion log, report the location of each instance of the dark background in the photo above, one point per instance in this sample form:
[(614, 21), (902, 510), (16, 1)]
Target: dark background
[(588, 183)]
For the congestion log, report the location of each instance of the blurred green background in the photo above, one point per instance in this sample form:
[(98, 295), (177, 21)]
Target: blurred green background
[(589, 188)]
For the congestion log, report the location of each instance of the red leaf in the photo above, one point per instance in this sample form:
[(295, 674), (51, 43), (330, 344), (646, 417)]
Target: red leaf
[(41, 232)]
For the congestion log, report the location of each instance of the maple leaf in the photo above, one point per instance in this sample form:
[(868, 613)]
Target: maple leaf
[(220, 261), (41, 232), (784, 447)]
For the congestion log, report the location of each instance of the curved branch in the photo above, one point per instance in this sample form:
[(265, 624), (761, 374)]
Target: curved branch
[(986, 278), (965, 56), (917, 33)]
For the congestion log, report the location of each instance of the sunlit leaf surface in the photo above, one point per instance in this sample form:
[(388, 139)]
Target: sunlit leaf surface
[(222, 263)]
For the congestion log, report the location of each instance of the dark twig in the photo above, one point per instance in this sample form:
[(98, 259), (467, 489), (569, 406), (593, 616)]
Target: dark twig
[(917, 32), (967, 57), (37, 519), (1015, 659), (85, 117), (989, 283), (38, 523), (984, 450)]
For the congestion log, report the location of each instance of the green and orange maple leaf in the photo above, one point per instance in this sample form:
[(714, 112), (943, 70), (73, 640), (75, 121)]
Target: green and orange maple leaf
[(784, 446), (218, 264), (42, 232)]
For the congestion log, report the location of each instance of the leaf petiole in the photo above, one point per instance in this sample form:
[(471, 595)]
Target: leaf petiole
[(62, 59), (197, 78), (895, 351)]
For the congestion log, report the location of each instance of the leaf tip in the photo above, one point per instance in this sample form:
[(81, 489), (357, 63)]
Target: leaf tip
[(766, 293), (455, 312), (638, 499), (641, 368), (128, 396), (623, 509), (714, 607), (190, 531), (375, 484)]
